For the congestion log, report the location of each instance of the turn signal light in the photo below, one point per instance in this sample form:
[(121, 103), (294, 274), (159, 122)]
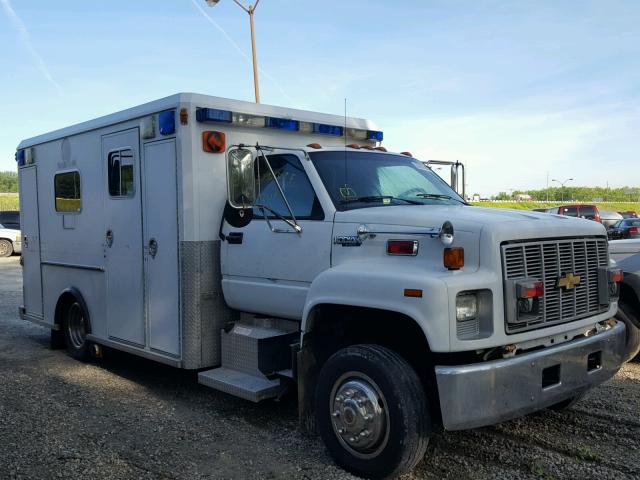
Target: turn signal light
[(413, 292), (213, 142), (617, 276), (530, 289), (184, 116), (454, 258), (402, 247)]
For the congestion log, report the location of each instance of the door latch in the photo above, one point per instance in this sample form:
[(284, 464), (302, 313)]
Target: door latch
[(153, 247), (109, 238)]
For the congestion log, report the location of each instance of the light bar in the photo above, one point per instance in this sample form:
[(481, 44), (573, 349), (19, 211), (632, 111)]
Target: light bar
[(167, 121), (282, 123), (20, 158), (207, 115), (324, 129), (374, 135)]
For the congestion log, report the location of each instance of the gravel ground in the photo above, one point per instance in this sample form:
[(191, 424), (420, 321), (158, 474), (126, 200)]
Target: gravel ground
[(125, 417)]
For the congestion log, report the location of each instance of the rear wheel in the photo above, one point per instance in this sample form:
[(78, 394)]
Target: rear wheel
[(76, 327), (371, 411), (6, 248)]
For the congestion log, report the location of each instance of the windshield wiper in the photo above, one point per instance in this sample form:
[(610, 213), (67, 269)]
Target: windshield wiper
[(381, 198), (439, 196)]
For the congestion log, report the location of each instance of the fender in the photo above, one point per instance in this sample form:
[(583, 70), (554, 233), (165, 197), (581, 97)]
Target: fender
[(381, 286), (75, 293)]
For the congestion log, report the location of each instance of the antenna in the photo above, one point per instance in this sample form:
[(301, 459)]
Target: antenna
[(346, 184)]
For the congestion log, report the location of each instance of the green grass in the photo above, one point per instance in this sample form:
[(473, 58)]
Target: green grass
[(605, 206), (9, 201)]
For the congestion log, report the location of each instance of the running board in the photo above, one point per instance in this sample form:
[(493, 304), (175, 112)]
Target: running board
[(240, 384)]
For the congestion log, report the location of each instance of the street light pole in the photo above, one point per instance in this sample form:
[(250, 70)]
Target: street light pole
[(250, 10), (562, 184)]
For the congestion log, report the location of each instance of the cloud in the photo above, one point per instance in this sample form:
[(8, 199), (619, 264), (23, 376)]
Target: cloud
[(25, 38), (237, 47)]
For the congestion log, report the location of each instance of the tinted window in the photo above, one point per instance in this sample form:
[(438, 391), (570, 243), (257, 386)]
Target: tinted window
[(10, 219), (295, 185), (67, 192), (588, 212), (631, 223), (570, 211), (120, 171)]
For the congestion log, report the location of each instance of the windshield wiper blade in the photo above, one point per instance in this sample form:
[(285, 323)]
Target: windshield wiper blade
[(380, 198), (439, 196)]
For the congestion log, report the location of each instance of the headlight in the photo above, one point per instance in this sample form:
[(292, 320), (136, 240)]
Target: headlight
[(466, 307)]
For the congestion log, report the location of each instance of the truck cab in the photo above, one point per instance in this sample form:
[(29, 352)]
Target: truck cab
[(277, 250)]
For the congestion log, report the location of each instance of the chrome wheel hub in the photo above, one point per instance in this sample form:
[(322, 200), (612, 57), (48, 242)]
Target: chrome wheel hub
[(359, 415), (76, 326)]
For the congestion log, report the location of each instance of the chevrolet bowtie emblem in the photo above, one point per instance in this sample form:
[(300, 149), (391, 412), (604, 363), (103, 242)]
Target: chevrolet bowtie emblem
[(569, 281)]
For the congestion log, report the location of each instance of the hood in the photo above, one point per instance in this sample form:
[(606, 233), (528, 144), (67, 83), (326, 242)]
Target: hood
[(473, 219)]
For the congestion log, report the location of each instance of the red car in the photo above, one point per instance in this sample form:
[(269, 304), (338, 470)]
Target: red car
[(590, 212)]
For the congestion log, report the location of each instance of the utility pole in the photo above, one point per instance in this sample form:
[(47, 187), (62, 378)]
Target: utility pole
[(251, 9)]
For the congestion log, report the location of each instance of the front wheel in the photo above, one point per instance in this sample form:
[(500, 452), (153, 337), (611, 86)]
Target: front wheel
[(630, 317), (75, 328), (371, 411)]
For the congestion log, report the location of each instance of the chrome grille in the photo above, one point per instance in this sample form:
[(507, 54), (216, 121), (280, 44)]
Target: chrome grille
[(549, 260)]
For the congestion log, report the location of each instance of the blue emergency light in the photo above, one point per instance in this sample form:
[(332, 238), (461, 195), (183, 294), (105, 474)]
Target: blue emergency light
[(207, 115), (374, 135), (282, 123), (20, 158), (167, 121), (328, 129)]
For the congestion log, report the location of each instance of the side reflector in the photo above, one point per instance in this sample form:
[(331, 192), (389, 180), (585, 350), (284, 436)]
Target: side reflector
[(167, 121), (374, 135), (413, 292), (328, 129), (314, 145), (207, 115), (213, 142), (184, 116), (282, 123), (402, 247), (454, 258), (408, 154)]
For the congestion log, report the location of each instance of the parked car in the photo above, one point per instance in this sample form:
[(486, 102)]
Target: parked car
[(626, 228), (590, 212), (626, 253), (10, 241), (10, 219), (608, 219), (629, 214)]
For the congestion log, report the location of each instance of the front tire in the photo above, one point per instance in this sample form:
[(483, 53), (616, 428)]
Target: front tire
[(6, 248), (76, 328), (372, 412), (629, 316)]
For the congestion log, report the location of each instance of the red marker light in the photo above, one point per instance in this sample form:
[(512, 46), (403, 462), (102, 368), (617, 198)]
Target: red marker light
[(402, 247), (530, 289)]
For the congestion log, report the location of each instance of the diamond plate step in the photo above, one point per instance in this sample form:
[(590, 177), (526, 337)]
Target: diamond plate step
[(240, 384)]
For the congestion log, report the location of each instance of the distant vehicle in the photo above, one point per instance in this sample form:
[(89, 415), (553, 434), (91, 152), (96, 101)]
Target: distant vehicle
[(10, 219), (627, 228), (522, 197), (590, 212), (629, 214), (609, 219), (543, 210), (626, 254), (10, 241)]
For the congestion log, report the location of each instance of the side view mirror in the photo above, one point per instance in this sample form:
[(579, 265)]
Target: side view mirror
[(241, 180)]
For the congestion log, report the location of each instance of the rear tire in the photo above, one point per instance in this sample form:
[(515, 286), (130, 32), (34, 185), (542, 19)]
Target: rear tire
[(75, 329), (629, 316), (6, 248), (372, 412)]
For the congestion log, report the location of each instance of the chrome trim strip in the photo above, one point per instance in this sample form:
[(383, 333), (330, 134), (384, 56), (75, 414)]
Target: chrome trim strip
[(491, 392), (74, 265), (174, 362)]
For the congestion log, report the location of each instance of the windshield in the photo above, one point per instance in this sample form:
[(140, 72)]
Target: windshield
[(367, 179)]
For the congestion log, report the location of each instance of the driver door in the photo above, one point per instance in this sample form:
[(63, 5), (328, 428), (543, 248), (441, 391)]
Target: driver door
[(264, 269)]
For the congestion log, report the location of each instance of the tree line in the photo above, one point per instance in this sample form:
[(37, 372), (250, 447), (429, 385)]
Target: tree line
[(578, 194), (8, 182)]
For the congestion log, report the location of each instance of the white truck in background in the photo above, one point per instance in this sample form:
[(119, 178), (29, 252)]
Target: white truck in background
[(272, 249)]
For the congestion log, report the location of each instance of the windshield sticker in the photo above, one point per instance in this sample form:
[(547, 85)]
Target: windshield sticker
[(347, 192)]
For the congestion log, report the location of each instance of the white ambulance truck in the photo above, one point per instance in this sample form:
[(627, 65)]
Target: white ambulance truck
[(272, 248)]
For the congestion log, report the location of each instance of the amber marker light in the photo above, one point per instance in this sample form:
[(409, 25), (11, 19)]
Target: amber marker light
[(413, 292), (454, 258)]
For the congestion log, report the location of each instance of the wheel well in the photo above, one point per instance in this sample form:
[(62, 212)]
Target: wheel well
[(68, 296), (629, 295), (332, 327)]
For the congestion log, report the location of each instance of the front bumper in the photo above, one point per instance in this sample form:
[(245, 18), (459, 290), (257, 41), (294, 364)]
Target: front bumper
[(17, 247), (491, 392)]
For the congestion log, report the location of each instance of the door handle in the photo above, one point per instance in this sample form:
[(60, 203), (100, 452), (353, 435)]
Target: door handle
[(109, 238), (235, 238), (153, 247)]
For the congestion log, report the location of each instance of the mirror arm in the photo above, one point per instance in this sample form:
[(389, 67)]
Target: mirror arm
[(296, 228), (293, 224)]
